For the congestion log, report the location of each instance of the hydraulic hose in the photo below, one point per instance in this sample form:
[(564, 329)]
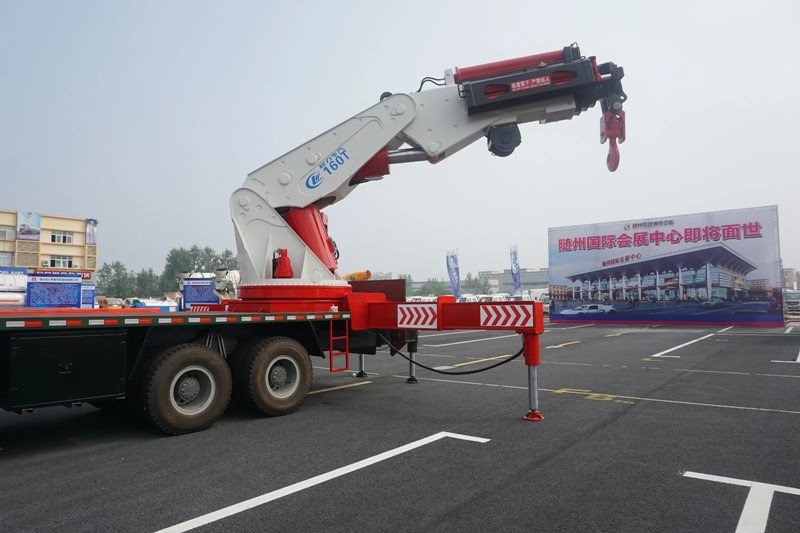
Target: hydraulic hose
[(458, 373)]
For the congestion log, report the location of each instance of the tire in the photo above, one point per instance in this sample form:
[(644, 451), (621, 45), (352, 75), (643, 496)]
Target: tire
[(273, 375), (186, 388)]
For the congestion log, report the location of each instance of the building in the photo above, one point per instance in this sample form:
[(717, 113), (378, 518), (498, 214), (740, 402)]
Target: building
[(492, 277), (714, 271), (530, 278), (790, 279), (48, 243)]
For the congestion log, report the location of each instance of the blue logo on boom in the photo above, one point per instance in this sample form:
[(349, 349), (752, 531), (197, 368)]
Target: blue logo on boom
[(313, 181)]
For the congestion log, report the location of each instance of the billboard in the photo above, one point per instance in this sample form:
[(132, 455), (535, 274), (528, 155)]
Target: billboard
[(29, 226), (197, 291), (54, 290), (91, 231), (717, 268)]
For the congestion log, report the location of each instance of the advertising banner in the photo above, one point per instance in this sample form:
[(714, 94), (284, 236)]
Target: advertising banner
[(13, 278), (717, 268), (54, 290), (198, 291), (91, 231), (452, 271), (29, 226), (515, 277), (87, 295)]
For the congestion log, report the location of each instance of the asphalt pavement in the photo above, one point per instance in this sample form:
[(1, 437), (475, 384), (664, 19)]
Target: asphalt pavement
[(645, 429)]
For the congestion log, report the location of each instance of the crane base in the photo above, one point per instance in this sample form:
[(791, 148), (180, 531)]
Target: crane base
[(533, 416)]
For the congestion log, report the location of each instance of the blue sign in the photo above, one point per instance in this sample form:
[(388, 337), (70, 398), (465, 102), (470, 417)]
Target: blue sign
[(198, 291), (54, 290), (452, 271), (87, 295)]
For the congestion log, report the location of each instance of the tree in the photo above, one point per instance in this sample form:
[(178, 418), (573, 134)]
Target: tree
[(194, 259), (115, 280), (409, 282), (475, 285), (434, 286), (147, 283)]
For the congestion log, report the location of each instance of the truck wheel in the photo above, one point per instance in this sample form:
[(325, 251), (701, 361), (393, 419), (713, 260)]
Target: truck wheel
[(187, 388), (274, 376)]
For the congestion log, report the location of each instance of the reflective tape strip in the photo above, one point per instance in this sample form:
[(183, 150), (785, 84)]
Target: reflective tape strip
[(165, 321), (57, 323), (194, 319), (96, 322), (131, 321), (247, 318), (15, 324)]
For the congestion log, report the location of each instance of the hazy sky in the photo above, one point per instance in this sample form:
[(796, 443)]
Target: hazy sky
[(148, 115)]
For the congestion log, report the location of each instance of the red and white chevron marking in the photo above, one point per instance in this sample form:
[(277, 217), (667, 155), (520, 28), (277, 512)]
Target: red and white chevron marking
[(504, 316), (418, 316)]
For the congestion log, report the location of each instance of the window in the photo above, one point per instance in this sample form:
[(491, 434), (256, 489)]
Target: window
[(7, 233), (6, 259), (64, 237), (60, 261)]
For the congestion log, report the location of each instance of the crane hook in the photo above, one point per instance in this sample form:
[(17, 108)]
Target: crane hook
[(612, 129)]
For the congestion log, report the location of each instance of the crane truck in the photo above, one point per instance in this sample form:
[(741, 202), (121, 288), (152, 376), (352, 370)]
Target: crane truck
[(181, 368)]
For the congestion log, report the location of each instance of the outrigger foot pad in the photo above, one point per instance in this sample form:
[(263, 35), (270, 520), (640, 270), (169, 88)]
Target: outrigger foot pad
[(533, 416)]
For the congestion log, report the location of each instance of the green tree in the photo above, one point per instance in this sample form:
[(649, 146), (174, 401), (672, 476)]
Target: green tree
[(194, 259), (475, 285), (147, 283), (434, 286), (409, 281), (114, 280)]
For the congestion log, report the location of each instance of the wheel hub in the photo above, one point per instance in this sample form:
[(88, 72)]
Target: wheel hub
[(189, 389), (278, 376)]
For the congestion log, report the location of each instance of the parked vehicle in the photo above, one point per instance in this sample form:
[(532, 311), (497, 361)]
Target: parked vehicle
[(590, 309), (713, 303)]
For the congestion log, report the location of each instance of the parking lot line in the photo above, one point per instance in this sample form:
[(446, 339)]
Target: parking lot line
[(797, 360), (316, 480), (789, 329), (661, 354), (348, 386), (561, 345), (481, 360), (587, 392), (467, 342), (725, 329)]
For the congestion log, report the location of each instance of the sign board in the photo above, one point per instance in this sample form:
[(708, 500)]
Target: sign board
[(29, 226), (198, 291), (720, 267), (13, 278), (87, 295), (54, 290)]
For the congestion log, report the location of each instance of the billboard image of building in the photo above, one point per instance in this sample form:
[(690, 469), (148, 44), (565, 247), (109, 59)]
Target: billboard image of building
[(721, 267)]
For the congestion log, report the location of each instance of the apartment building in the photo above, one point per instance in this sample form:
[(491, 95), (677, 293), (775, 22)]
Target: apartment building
[(48, 243)]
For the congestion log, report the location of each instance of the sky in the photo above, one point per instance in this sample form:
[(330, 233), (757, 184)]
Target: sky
[(148, 115)]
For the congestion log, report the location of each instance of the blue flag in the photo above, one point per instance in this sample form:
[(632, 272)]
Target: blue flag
[(452, 271), (515, 269)]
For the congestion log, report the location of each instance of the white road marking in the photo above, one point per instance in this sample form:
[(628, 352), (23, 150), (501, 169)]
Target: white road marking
[(467, 342), (661, 354), (349, 385), (725, 329), (575, 327), (448, 333), (797, 360), (759, 500), (443, 367), (789, 329), (561, 345), (316, 480)]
